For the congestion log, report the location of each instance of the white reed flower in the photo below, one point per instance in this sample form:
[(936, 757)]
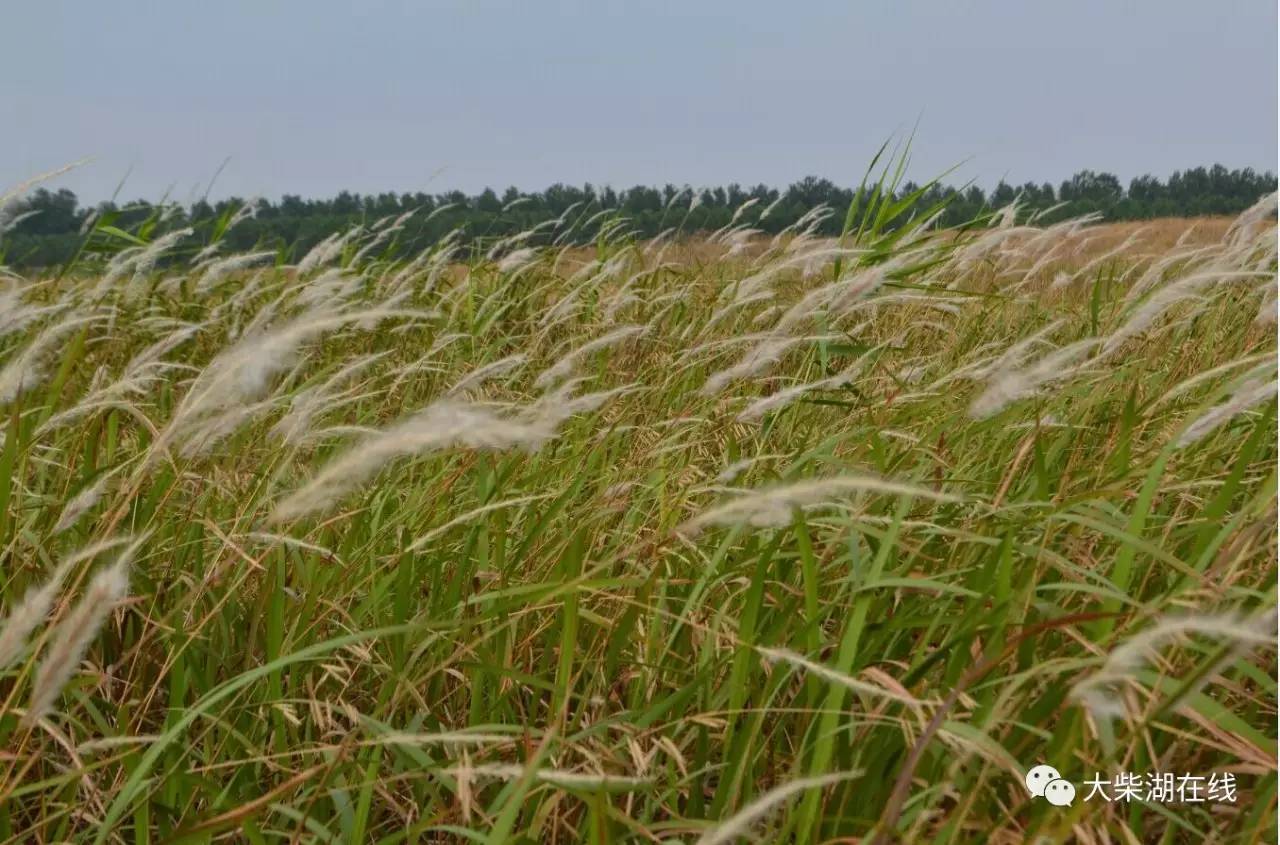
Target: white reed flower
[(477, 377), (564, 367), (1267, 308), (141, 370), (9, 199), (310, 402), (826, 673), (32, 609), (1253, 391), (71, 637), (27, 369), (442, 425), (325, 251), (145, 261), (219, 270), (774, 506), (328, 290), (1150, 310), (15, 314), (786, 396), (203, 434), (559, 777), (757, 360), (243, 372), (1009, 386), (82, 503), (735, 469), (738, 826), (557, 407), (1098, 692), (518, 260)]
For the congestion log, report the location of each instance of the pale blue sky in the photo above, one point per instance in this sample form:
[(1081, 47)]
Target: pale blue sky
[(314, 97)]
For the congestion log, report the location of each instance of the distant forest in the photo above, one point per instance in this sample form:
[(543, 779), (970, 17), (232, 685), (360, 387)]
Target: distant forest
[(49, 227)]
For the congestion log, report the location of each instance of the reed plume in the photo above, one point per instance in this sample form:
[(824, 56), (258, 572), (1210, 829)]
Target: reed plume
[(70, 638)]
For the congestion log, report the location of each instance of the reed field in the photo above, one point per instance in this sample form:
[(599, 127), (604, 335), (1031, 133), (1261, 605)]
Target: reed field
[(576, 537)]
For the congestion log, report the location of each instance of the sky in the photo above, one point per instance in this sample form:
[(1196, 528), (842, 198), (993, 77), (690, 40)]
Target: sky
[(316, 97)]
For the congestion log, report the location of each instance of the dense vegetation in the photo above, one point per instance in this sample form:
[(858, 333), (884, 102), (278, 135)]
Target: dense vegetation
[(792, 538), (51, 233)]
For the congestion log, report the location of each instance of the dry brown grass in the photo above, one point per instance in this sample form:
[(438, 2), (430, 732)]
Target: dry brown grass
[(1153, 238)]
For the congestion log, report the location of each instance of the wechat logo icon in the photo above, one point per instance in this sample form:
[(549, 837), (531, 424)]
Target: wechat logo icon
[(1046, 782)]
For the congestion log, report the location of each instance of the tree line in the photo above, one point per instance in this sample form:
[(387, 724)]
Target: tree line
[(48, 228)]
